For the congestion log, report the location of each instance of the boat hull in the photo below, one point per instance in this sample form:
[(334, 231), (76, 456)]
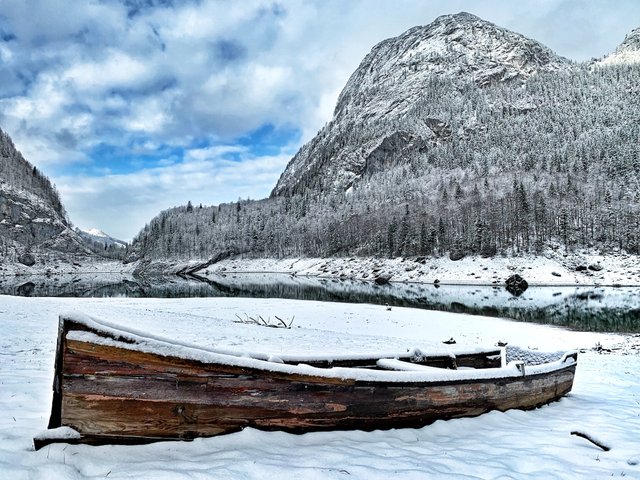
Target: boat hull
[(114, 394)]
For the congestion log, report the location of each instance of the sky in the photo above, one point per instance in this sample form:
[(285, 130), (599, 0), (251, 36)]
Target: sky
[(135, 106)]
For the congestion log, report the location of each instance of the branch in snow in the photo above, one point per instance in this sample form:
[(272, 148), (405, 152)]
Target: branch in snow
[(592, 440), (259, 320)]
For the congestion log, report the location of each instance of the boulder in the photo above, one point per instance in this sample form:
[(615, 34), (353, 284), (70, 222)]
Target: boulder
[(27, 259), (382, 279), (595, 268), (516, 285), (26, 289)]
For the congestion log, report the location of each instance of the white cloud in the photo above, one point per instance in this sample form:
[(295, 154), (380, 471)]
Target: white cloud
[(87, 73), (117, 70), (149, 115), (122, 204)]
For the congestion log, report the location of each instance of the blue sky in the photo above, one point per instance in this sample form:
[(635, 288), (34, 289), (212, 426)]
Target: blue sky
[(132, 107)]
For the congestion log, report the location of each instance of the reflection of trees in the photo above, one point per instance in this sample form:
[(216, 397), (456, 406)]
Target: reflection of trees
[(583, 309)]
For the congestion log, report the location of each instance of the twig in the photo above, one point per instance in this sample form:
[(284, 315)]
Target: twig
[(592, 440), (281, 321), (259, 320)]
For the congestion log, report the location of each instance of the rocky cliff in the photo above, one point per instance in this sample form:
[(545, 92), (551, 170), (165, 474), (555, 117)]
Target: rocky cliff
[(392, 104), (32, 219)]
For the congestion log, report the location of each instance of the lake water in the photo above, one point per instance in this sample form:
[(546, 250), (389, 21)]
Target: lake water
[(607, 309)]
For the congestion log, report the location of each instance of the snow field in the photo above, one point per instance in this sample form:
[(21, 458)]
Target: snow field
[(604, 403)]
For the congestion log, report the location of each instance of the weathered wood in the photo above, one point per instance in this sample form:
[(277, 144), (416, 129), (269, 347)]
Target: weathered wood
[(118, 394)]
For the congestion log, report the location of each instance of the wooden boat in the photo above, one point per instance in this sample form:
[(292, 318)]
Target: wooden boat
[(120, 386)]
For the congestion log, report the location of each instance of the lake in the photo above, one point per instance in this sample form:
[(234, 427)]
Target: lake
[(605, 309)]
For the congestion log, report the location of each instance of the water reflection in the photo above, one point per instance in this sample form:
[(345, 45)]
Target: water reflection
[(583, 308)]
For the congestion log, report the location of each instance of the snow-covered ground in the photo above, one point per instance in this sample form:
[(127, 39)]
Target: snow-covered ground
[(68, 266), (552, 268), (604, 403)]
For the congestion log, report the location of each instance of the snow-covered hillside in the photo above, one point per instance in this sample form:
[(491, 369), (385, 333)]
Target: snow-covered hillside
[(459, 138), (585, 268), (627, 53), (33, 220)]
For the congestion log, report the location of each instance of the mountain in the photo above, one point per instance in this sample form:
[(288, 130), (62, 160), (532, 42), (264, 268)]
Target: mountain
[(381, 110), (32, 218), (101, 238), (455, 138)]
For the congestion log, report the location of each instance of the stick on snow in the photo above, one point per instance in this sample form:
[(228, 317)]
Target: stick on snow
[(592, 440)]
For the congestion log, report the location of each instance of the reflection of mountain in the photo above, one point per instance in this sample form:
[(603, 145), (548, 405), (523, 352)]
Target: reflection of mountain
[(103, 286), (581, 308)]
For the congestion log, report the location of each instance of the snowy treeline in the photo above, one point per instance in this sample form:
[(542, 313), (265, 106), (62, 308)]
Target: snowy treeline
[(112, 251), (555, 161)]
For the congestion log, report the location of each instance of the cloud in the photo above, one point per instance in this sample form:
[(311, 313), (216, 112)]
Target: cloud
[(125, 202), (142, 87)]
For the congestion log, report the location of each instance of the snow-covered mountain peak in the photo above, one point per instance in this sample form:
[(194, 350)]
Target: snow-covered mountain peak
[(400, 82), (461, 46), (98, 236), (631, 41), (95, 232)]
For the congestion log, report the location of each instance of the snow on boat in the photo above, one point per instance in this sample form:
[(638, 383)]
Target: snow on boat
[(113, 385)]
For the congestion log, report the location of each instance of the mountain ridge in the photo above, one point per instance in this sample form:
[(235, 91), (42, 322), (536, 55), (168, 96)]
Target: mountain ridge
[(391, 81), (97, 236), (497, 151), (32, 217)]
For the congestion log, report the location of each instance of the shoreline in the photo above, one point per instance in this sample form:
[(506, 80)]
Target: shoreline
[(614, 271), (586, 269), (413, 282), (602, 402)]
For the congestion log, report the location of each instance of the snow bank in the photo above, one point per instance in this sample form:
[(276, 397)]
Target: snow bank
[(65, 264)]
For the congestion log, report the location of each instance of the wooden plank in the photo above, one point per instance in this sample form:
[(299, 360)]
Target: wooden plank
[(350, 408), (84, 358)]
